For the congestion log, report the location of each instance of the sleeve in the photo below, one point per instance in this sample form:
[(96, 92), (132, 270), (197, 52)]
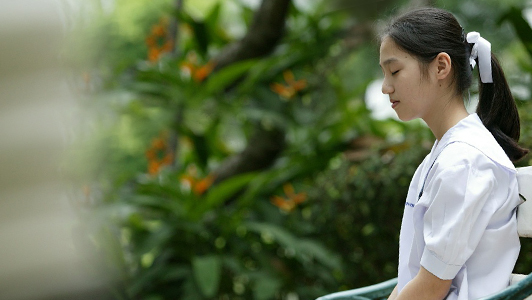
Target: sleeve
[(457, 213)]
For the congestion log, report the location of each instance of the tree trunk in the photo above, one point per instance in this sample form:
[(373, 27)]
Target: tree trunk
[(262, 37), (261, 152)]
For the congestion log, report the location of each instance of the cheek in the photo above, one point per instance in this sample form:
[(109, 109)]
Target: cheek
[(418, 86), (411, 90)]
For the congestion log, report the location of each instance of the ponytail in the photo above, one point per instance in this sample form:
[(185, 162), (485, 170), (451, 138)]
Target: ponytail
[(498, 111), (426, 32)]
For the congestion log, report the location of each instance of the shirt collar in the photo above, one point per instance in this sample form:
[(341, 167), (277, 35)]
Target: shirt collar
[(471, 131)]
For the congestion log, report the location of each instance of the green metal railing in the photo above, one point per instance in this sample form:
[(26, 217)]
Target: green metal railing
[(518, 291)]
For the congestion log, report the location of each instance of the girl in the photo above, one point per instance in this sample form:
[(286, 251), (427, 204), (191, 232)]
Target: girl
[(458, 237)]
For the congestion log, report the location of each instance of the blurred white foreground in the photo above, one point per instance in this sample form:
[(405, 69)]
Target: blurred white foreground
[(38, 259)]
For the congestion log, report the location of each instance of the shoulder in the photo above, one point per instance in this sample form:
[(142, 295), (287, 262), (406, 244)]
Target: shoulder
[(463, 167), (463, 154), (465, 174), (471, 142), (460, 157)]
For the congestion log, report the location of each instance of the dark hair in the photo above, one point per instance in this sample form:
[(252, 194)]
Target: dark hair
[(426, 32)]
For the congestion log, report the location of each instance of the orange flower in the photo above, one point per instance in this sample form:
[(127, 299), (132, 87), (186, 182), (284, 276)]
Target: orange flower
[(167, 46), (290, 192), (159, 29), (86, 77), (198, 73), (202, 185), (202, 72), (188, 179), (158, 42), (287, 92), (86, 200), (151, 41), (158, 155), (154, 167), (283, 203), (159, 143), (86, 190), (154, 54), (291, 89), (292, 199), (288, 76), (198, 186), (188, 67)]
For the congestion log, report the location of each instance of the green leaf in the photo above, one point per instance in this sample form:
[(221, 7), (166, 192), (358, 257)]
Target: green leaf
[(320, 253), (266, 287), (145, 278), (266, 69), (156, 189), (157, 75), (201, 148), (151, 89), (302, 247), (175, 272), (267, 181), (226, 76), (515, 16), (260, 114), (201, 34), (158, 239), (207, 271), (221, 192), (212, 18), (190, 290), (282, 236)]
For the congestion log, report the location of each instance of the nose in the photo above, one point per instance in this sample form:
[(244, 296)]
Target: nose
[(387, 88)]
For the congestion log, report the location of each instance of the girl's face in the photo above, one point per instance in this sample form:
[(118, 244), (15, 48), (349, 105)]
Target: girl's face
[(409, 91)]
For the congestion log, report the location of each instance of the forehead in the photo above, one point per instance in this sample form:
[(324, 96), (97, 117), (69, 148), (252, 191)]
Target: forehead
[(390, 52)]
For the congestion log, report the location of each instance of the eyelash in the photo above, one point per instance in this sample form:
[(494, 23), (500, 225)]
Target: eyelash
[(393, 73)]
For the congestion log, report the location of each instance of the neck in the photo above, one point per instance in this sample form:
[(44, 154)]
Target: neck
[(444, 116)]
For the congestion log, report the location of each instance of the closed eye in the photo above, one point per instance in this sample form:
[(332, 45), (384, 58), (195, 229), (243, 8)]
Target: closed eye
[(393, 73)]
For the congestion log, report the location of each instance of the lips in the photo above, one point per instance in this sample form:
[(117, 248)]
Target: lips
[(394, 103)]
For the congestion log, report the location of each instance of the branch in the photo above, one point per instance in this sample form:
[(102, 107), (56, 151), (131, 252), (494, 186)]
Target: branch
[(260, 153), (262, 37), (173, 35)]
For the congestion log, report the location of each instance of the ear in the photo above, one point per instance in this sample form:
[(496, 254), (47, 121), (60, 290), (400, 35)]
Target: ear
[(443, 65)]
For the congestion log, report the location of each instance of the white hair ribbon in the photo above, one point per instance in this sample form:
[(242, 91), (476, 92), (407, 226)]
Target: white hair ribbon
[(482, 50)]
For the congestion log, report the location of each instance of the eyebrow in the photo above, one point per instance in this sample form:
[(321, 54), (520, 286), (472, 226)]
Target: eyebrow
[(389, 61)]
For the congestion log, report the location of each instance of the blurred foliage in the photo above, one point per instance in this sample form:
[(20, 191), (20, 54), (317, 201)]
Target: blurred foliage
[(324, 217)]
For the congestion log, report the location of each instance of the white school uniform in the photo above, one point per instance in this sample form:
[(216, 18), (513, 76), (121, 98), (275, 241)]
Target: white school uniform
[(463, 227)]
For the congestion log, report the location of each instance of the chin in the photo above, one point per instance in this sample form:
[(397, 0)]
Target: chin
[(405, 118), (408, 116)]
